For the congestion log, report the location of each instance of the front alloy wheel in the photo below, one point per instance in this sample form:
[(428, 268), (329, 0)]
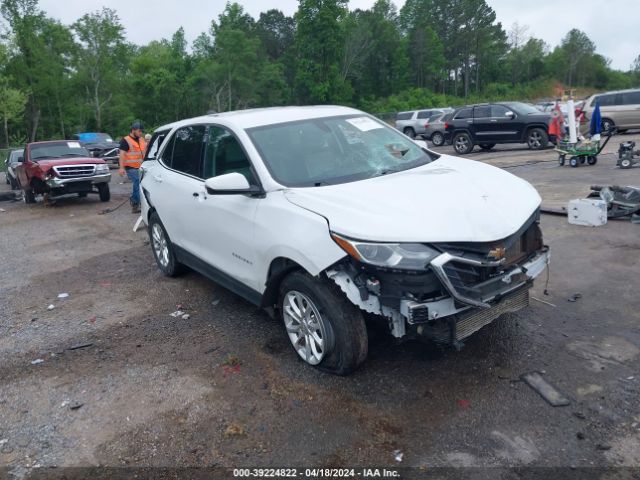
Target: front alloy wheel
[(305, 327), (163, 248), (324, 327)]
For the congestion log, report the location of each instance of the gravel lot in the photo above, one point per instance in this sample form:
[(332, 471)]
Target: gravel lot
[(223, 387)]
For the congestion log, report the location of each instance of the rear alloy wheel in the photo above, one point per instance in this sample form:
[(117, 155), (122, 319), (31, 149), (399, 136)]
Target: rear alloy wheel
[(409, 132), (606, 125), (325, 329), (437, 139), (462, 143), (103, 192), (163, 248), (537, 139), (574, 162), (487, 146)]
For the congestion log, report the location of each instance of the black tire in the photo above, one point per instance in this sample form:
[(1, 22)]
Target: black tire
[(537, 139), (487, 146), (345, 334), (626, 163), (574, 162), (592, 159), (28, 196), (561, 159), (462, 143), (437, 139), (169, 266), (409, 132), (606, 124), (103, 192)]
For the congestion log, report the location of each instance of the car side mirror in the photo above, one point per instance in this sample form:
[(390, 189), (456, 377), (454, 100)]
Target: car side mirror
[(509, 114), (233, 183)]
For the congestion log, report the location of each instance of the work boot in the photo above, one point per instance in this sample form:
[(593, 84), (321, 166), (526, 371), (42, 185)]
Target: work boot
[(135, 208)]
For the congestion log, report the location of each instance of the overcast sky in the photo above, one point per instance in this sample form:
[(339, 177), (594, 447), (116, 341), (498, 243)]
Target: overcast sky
[(612, 26)]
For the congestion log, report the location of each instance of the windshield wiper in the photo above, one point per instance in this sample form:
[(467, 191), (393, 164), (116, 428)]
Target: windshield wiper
[(71, 155)]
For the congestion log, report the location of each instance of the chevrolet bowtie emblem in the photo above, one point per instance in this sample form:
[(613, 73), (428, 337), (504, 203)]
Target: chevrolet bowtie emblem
[(497, 253)]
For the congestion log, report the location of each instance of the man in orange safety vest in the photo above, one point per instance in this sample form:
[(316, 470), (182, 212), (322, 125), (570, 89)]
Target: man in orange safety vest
[(132, 149)]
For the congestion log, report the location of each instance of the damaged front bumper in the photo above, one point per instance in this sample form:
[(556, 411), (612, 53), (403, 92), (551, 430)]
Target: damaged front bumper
[(463, 306)]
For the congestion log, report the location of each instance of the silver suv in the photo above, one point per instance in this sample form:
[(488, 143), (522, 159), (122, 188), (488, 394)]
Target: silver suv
[(619, 109), (412, 123)]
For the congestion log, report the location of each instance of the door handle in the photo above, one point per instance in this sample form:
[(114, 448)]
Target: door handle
[(195, 194)]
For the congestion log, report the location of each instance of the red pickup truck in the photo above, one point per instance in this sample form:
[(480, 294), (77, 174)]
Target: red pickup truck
[(61, 167)]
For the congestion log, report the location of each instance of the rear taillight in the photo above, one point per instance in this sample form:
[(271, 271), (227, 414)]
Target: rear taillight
[(446, 125), (426, 125)]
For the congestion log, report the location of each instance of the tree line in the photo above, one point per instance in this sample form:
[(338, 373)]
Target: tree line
[(59, 79)]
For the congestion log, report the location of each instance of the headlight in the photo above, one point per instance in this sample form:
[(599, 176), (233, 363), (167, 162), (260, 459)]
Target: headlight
[(407, 256), (102, 168)]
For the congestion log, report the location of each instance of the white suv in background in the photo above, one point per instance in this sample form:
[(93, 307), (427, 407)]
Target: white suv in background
[(326, 216)]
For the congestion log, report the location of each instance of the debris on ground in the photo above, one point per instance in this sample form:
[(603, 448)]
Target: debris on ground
[(543, 301), (398, 455), (579, 415), (620, 201), (580, 436), (575, 297), (600, 446), (215, 302), (2, 210), (63, 295), (234, 430), (80, 345), (76, 406), (551, 395), (185, 316), (211, 350), (64, 404), (232, 361), (51, 307), (180, 313), (37, 361), (92, 319)]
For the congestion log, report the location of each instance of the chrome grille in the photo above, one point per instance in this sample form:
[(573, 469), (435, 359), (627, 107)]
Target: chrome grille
[(74, 171)]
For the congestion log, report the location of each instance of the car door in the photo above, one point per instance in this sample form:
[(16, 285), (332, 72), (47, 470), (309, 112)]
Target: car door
[(507, 124), (223, 227), (630, 114), (175, 182), (483, 129)]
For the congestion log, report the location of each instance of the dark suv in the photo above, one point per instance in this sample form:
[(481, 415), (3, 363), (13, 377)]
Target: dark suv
[(490, 123)]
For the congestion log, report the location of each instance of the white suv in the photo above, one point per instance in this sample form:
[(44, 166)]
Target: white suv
[(326, 216)]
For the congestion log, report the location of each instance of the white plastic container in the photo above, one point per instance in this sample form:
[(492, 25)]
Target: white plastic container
[(589, 212)]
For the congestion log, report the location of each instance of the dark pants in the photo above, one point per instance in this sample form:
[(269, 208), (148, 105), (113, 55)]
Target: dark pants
[(134, 176)]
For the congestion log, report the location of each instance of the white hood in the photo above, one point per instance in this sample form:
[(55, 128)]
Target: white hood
[(449, 200)]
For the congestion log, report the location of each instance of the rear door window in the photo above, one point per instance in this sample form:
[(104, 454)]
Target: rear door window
[(188, 147), (499, 111), (404, 116), (424, 114), (464, 113)]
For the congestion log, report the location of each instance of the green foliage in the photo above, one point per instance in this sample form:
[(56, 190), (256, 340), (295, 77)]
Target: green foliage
[(57, 79)]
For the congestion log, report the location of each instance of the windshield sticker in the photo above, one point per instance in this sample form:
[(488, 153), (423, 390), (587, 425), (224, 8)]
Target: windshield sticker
[(73, 145), (364, 124)]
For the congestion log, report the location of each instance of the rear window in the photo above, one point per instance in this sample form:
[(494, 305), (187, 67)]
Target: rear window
[(483, 111), (424, 114), (435, 117), (464, 113), (404, 115)]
